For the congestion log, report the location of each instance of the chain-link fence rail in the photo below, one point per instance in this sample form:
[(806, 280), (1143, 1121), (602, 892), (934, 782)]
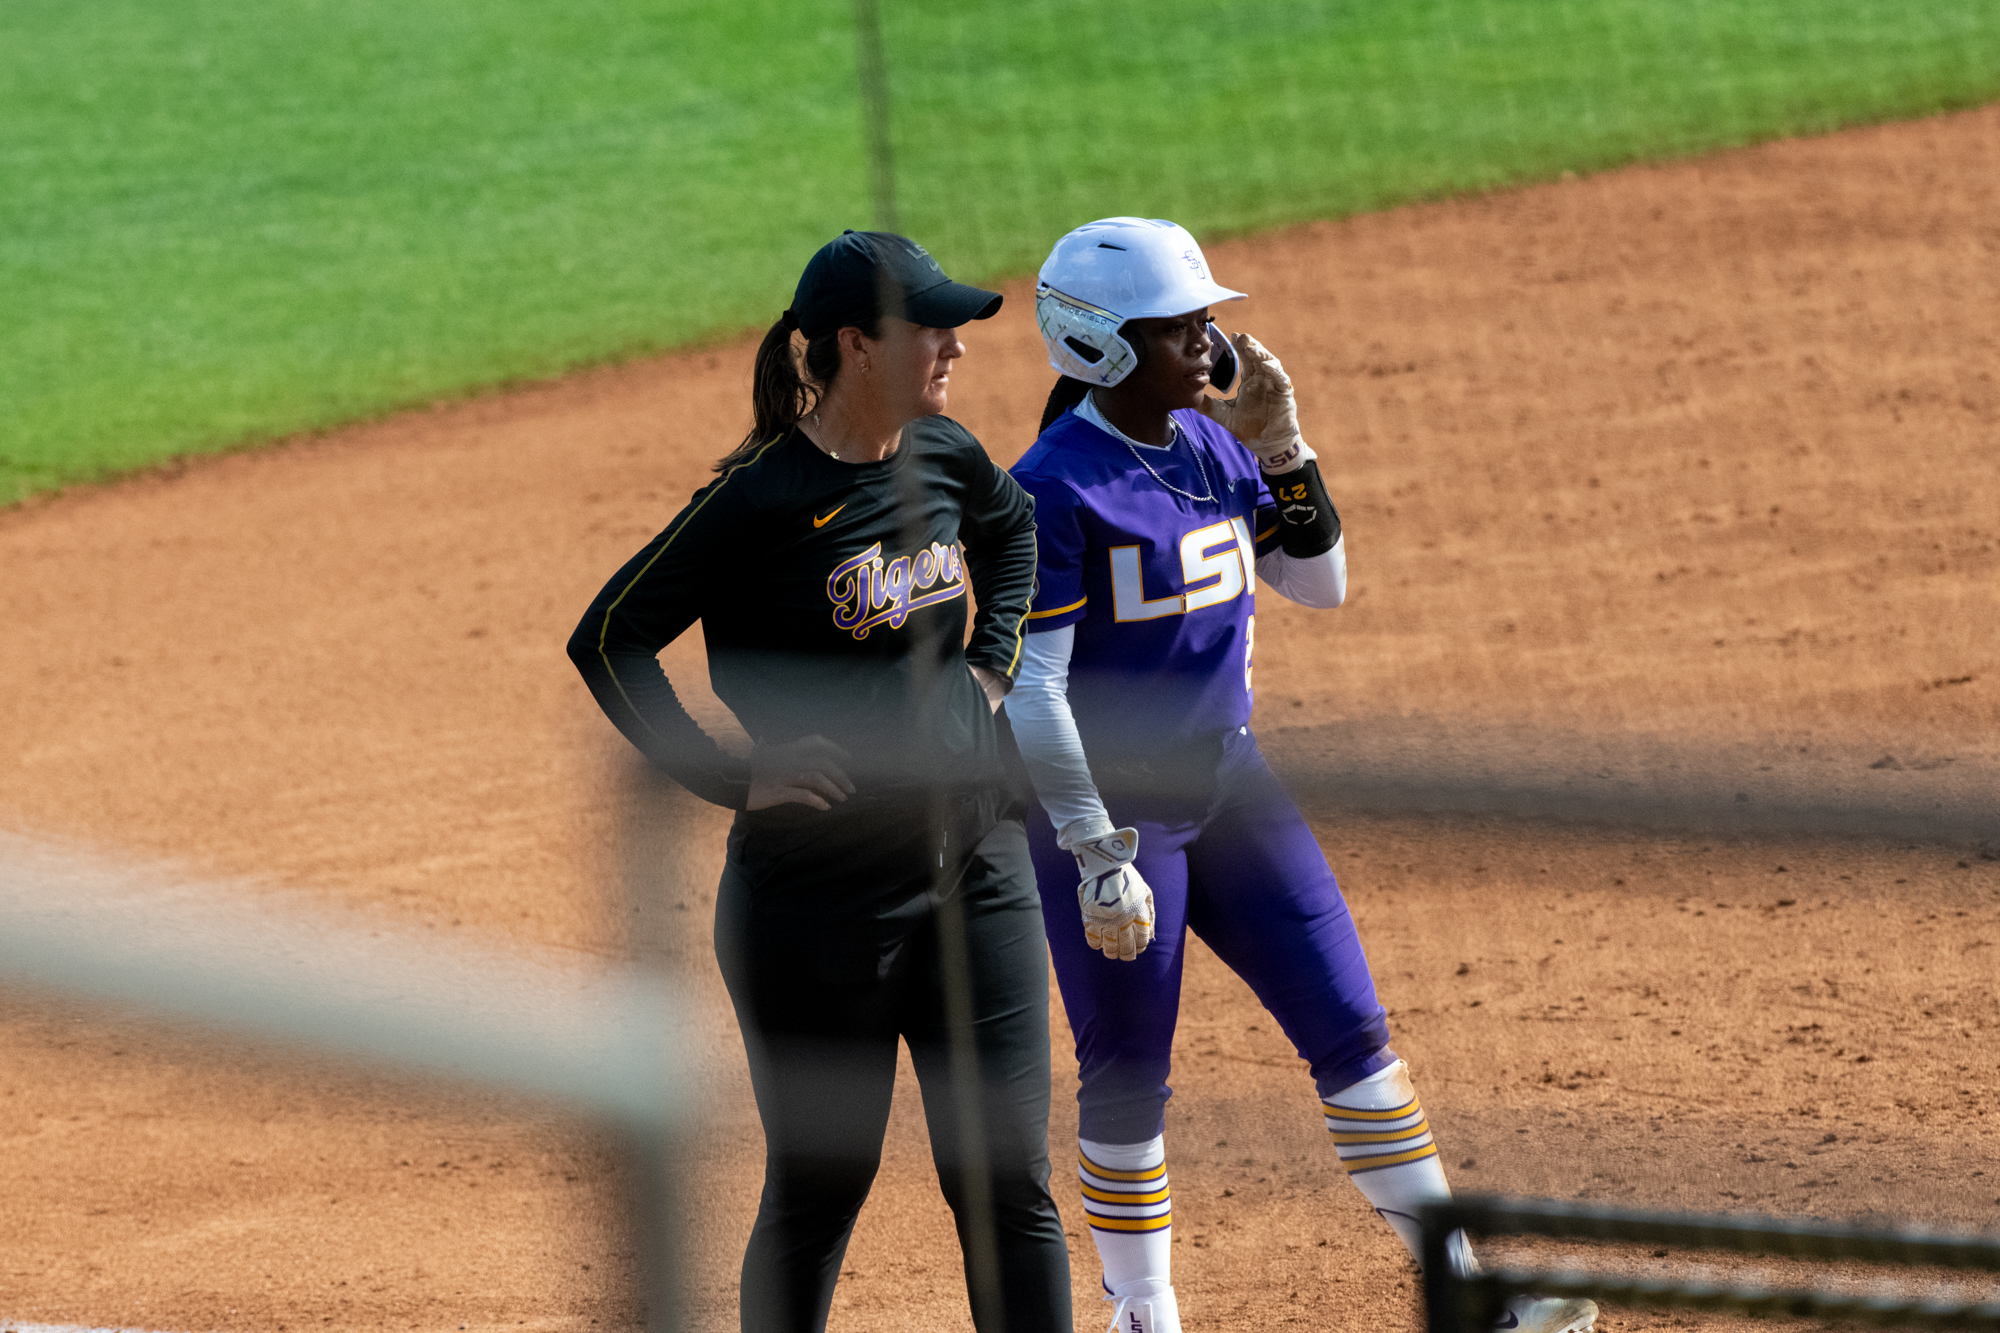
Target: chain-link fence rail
[(1458, 1302)]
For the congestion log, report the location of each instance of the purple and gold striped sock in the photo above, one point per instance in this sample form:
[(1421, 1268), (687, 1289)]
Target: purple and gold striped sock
[(1130, 1210)]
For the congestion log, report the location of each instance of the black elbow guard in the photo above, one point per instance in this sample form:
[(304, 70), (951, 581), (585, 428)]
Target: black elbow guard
[(1307, 523)]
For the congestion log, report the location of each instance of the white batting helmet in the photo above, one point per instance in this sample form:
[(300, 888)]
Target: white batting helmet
[(1107, 272)]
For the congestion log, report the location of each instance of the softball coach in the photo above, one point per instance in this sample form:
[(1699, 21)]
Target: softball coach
[(878, 883)]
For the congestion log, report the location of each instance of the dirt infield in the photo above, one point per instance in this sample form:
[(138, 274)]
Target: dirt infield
[(1707, 452)]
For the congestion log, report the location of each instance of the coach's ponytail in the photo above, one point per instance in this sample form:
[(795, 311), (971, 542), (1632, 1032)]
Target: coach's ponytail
[(1066, 394), (779, 394)]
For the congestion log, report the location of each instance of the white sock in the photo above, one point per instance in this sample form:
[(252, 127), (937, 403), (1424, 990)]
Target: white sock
[(1131, 1213), (1384, 1141)]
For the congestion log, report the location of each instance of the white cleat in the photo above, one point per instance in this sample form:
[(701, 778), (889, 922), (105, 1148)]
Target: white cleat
[(1153, 1312), (1547, 1314)]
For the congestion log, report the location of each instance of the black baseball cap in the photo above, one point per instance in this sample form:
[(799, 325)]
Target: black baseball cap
[(863, 274)]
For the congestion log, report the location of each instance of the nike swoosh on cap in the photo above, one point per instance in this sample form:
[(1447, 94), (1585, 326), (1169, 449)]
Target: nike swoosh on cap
[(822, 522)]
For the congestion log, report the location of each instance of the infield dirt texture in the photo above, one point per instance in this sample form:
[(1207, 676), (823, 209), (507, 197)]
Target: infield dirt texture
[(1700, 457)]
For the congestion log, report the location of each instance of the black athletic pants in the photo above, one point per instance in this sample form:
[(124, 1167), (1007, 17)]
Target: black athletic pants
[(822, 998)]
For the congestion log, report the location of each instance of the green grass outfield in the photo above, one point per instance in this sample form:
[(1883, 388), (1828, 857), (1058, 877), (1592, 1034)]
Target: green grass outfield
[(221, 223)]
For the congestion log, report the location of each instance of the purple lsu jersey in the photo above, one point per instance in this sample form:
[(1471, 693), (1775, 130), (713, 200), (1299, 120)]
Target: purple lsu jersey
[(1151, 554)]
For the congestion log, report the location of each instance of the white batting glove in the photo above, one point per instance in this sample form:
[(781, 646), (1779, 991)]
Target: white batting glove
[(1262, 414), (1117, 902)]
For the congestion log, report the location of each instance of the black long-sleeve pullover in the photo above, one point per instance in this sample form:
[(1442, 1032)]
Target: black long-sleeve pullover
[(832, 597)]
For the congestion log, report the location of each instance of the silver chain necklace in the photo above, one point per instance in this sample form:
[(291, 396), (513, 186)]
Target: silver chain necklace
[(1200, 467), (830, 452), (1133, 447)]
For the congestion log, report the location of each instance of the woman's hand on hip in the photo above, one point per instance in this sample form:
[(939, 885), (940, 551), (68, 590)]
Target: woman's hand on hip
[(806, 772), (992, 685)]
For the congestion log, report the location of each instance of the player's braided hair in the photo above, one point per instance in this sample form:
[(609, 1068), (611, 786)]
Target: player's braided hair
[(1066, 393), (779, 393)]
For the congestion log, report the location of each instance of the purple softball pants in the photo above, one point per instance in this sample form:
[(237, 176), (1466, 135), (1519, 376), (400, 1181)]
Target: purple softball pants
[(1230, 857)]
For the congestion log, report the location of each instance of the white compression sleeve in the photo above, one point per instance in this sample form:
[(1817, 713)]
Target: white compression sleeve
[(1038, 710), (1320, 581)]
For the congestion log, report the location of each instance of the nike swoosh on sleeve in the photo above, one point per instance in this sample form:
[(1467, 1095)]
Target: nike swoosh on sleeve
[(822, 522)]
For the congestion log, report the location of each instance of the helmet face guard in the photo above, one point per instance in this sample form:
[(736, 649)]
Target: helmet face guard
[(1084, 344), (1083, 339), (1118, 269)]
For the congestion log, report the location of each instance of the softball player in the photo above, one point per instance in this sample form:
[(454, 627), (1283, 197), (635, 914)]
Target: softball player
[(878, 886), (1131, 709)]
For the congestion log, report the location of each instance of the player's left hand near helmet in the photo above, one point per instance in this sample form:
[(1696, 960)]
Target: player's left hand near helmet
[(1264, 414)]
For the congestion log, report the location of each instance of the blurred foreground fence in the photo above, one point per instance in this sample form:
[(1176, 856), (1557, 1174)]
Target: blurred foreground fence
[(1754, 786), (600, 1043), (603, 1042)]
